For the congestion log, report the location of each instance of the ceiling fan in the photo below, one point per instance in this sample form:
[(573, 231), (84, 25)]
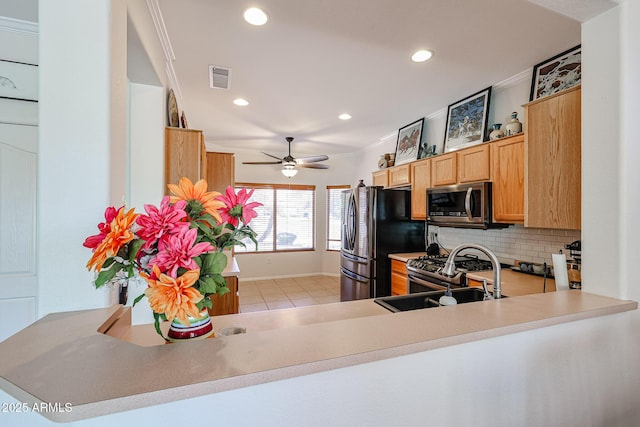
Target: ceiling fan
[(289, 162)]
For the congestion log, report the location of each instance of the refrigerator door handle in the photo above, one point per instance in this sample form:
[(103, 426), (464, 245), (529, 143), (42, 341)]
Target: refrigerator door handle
[(352, 276)]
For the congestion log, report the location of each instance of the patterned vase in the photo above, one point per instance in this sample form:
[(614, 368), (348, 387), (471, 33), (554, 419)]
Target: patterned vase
[(198, 328), (496, 133)]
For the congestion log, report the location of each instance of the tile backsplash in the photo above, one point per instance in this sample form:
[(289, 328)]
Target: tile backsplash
[(515, 242)]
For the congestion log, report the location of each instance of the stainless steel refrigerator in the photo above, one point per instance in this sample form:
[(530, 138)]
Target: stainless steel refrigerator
[(375, 223)]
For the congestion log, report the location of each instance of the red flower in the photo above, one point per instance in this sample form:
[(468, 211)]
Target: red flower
[(179, 251), (236, 206), (92, 242), (161, 223)]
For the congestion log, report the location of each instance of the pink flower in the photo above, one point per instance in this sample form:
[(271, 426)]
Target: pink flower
[(161, 223), (236, 206), (92, 242), (179, 251)]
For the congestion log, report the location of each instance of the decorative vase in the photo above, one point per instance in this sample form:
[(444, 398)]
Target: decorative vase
[(496, 133), (514, 126), (198, 328)]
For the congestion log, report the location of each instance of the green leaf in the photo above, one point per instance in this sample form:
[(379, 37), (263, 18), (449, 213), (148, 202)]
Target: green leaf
[(204, 303), (207, 285), (156, 323), (138, 299), (214, 263), (223, 290), (105, 276), (134, 248)]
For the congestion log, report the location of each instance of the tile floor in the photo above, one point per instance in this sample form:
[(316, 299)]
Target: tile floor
[(274, 294)]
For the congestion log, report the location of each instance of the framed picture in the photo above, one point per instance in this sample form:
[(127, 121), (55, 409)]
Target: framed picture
[(18, 81), (408, 143), (555, 74), (467, 121)]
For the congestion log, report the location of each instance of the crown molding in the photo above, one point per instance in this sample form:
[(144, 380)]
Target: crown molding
[(18, 26), (161, 29), (514, 80)]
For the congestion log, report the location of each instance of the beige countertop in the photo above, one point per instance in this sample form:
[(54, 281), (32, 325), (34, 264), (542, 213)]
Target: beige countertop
[(404, 257), (515, 284), (68, 358)]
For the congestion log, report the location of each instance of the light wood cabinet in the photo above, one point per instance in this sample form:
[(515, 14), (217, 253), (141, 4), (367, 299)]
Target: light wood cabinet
[(552, 161), (381, 178), (444, 169), (507, 176), (399, 175), (185, 155), (420, 181), (228, 303), (220, 171), (399, 283), (473, 164)]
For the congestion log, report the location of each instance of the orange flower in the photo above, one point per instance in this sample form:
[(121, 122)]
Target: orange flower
[(119, 234), (186, 190), (173, 297)]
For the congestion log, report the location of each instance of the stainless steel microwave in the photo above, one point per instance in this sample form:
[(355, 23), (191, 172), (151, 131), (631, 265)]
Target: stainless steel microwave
[(463, 205)]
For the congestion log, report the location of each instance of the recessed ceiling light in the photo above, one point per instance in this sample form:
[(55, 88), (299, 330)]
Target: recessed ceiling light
[(241, 102), (421, 55), (255, 16), (344, 116)]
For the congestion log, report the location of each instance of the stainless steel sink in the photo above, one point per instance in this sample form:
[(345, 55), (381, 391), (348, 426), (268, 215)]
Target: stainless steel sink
[(429, 299)]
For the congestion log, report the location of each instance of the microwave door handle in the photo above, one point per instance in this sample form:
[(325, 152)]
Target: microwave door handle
[(467, 203)]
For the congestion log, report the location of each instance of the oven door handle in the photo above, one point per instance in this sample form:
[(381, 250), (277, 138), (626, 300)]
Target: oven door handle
[(467, 203), (425, 283)]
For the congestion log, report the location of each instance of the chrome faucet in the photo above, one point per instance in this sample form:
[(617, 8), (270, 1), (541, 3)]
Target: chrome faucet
[(449, 268)]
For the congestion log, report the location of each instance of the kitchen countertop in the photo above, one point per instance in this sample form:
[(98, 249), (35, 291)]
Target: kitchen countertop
[(515, 284), (43, 362), (404, 257)]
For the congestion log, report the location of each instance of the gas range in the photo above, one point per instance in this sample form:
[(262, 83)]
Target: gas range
[(429, 268)]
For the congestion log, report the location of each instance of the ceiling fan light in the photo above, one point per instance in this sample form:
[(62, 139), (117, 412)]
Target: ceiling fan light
[(289, 170), (255, 16), (241, 102)]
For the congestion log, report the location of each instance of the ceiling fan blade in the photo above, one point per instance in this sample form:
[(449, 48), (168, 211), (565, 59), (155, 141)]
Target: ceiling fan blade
[(262, 163), (312, 159), (313, 166), (277, 158)]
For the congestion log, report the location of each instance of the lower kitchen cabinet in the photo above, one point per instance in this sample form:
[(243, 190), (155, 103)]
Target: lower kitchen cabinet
[(228, 303), (399, 281)]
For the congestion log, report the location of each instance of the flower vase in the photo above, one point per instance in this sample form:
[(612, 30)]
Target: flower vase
[(198, 328), (514, 126)]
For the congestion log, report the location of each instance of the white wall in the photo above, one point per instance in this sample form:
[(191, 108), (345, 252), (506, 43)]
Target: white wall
[(319, 261)]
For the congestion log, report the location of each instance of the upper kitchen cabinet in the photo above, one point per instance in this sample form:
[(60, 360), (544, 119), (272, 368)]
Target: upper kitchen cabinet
[(507, 175), (381, 178), (473, 164), (421, 180), (185, 155), (458, 167), (552, 161), (400, 175), (444, 169), (220, 171)]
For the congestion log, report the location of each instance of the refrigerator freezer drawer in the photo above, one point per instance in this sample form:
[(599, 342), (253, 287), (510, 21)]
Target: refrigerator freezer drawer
[(360, 266), (354, 287)]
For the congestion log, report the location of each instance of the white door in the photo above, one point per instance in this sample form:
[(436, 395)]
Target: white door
[(18, 275)]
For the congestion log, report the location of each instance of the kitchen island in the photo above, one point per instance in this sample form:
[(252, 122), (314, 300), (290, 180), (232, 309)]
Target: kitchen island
[(78, 358)]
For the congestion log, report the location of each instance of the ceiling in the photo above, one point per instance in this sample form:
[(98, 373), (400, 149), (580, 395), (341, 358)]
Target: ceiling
[(314, 60)]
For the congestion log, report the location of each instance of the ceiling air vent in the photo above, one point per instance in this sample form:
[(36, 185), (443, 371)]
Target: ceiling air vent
[(219, 77)]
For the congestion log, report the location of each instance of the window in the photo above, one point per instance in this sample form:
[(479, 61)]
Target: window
[(334, 216), (286, 219)]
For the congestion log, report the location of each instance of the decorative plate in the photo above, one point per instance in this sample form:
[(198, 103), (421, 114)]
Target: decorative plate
[(172, 109)]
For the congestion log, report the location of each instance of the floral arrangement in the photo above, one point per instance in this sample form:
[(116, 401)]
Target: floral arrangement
[(176, 247)]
